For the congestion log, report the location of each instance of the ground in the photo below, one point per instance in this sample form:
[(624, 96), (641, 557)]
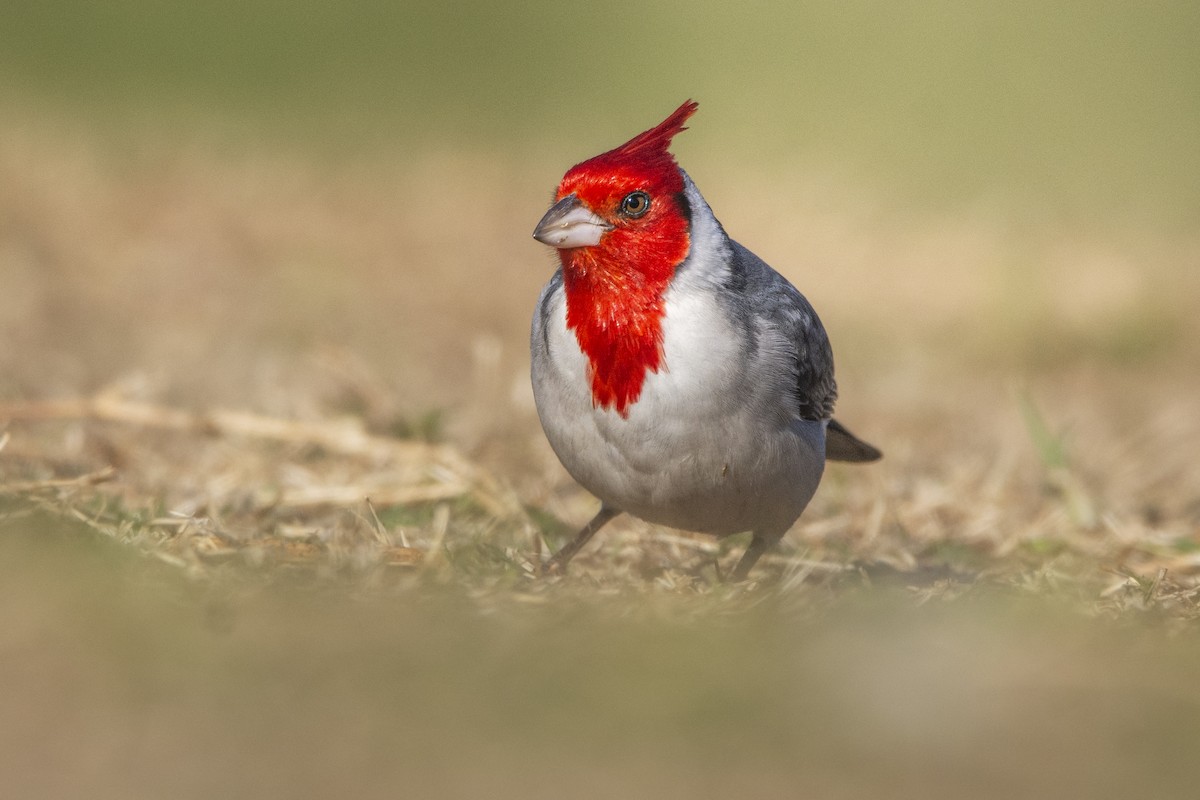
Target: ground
[(217, 370), (272, 490)]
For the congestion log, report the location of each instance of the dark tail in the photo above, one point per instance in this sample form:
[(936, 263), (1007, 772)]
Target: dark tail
[(842, 445)]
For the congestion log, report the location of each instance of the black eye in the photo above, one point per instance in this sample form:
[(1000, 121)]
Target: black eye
[(635, 204)]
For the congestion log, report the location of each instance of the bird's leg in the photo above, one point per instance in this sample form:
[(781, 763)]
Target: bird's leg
[(558, 562), (758, 545)]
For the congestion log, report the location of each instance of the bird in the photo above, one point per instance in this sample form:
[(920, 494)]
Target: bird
[(677, 376)]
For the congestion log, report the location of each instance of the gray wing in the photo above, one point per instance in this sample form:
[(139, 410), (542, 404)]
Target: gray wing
[(769, 299)]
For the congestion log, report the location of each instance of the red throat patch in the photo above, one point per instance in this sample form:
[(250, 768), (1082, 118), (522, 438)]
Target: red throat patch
[(617, 318), (615, 289)]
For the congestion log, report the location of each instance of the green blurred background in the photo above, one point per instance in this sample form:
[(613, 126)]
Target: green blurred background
[(1076, 110)]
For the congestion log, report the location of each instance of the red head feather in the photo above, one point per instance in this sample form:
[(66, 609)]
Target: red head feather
[(647, 152), (644, 159), (615, 288), (658, 139)]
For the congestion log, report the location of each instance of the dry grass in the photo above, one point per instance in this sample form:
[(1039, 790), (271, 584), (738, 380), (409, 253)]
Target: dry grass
[(1027, 391), (272, 496)]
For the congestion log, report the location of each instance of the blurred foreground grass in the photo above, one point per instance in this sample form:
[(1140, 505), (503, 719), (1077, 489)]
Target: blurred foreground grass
[(125, 680)]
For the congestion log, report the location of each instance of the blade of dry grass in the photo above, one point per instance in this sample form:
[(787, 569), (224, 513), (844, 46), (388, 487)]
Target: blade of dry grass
[(346, 437), (28, 487)]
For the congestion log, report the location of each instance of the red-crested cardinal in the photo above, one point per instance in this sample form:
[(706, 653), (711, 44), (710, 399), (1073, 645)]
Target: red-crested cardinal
[(677, 376)]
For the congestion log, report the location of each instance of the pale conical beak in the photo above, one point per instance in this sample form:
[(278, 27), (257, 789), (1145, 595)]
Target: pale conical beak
[(569, 223)]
